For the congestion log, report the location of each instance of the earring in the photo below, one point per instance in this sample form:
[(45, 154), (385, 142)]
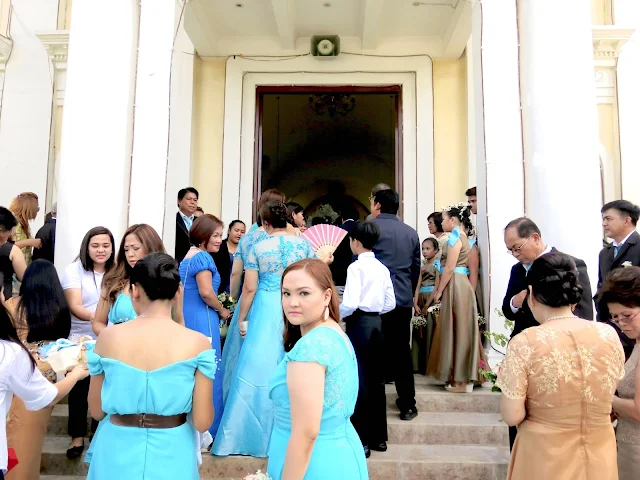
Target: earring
[(326, 314)]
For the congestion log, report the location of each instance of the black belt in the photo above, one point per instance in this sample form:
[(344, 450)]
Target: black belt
[(148, 420), (362, 313)]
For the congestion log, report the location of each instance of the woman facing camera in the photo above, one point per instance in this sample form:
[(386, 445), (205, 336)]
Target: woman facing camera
[(147, 375), (40, 316), (248, 413), (558, 381), (621, 293), (315, 387)]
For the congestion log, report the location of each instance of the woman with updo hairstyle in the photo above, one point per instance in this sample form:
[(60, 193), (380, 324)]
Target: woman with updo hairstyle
[(147, 375), (455, 351), (620, 293), (248, 412), (558, 381)]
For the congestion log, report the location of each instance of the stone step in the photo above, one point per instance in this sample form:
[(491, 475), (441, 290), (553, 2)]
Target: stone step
[(438, 428), (59, 419), (434, 398), (400, 462)]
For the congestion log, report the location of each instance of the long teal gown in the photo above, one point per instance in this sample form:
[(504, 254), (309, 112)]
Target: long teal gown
[(233, 342), (337, 453), (202, 318), (248, 413), (130, 453)]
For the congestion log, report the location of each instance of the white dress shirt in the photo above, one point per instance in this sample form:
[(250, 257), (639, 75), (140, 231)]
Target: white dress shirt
[(514, 309), (368, 287), (18, 377), (616, 244)]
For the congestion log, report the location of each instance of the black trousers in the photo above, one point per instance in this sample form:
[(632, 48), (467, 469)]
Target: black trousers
[(370, 415), (513, 432), (78, 409), (396, 330)]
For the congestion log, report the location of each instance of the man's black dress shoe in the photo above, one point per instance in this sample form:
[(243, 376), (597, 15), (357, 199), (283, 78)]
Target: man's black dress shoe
[(379, 447), (367, 451), (75, 452), (409, 414)]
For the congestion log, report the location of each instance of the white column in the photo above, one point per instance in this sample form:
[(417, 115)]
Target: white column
[(96, 141), (25, 117), (179, 168), (560, 126), (471, 118), (498, 143), (152, 120)]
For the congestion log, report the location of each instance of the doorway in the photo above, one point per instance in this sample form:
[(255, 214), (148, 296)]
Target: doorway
[(328, 146)]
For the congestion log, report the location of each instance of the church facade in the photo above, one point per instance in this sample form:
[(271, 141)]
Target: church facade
[(109, 109)]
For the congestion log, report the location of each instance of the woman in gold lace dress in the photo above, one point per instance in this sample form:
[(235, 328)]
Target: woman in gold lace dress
[(621, 294), (558, 381), (40, 315)]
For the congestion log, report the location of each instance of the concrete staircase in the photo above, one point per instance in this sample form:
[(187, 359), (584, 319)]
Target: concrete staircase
[(454, 437)]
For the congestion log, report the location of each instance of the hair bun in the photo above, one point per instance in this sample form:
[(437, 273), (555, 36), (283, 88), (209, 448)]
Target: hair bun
[(554, 278)]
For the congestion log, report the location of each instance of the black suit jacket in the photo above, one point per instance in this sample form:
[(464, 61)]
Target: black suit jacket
[(223, 264), (629, 252), (343, 256), (398, 248), (48, 236), (182, 238), (523, 318)]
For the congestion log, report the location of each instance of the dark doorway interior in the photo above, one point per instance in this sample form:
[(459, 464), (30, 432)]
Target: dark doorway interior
[(328, 145)]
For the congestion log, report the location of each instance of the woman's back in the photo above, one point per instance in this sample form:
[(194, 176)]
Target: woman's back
[(273, 255)]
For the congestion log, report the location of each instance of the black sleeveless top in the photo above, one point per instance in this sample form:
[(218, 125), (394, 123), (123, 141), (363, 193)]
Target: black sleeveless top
[(6, 268)]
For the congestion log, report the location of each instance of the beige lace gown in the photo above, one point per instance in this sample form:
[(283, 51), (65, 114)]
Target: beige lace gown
[(568, 378), (628, 431), (456, 346)]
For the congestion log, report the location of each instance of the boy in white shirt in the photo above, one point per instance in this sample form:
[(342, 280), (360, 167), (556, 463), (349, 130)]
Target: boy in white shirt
[(368, 293)]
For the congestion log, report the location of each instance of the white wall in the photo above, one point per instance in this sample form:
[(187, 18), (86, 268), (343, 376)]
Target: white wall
[(26, 106)]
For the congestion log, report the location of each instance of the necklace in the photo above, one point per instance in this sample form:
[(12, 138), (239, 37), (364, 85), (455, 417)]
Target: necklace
[(559, 318)]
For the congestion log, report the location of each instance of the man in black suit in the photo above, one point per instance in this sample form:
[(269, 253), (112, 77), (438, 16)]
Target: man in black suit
[(524, 241), (619, 220), (398, 248), (343, 256), (187, 205), (47, 234)]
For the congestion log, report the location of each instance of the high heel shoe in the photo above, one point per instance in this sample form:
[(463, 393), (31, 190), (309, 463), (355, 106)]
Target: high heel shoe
[(460, 388)]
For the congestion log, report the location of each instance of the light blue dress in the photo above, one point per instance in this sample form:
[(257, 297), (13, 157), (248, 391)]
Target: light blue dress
[(233, 342), (248, 414), (130, 453), (337, 453), (122, 310), (201, 317)]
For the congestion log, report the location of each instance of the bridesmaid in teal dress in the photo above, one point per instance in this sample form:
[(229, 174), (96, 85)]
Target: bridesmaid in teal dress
[(151, 385), (248, 414), (315, 387), (201, 307)]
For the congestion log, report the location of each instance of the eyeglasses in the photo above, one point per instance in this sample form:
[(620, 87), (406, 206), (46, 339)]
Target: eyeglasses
[(515, 250), (620, 319)]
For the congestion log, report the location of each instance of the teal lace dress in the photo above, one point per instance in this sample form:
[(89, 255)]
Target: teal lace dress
[(337, 453), (248, 412), (130, 453)]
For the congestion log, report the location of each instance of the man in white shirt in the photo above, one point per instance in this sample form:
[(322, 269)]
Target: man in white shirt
[(619, 221), (368, 293)]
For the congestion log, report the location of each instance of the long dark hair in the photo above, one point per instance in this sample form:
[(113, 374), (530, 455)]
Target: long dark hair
[(84, 256), (8, 329), (321, 274), (42, 304)]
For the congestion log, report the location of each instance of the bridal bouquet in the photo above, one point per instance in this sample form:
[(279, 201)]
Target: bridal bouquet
[(418, 321), (257, 476)]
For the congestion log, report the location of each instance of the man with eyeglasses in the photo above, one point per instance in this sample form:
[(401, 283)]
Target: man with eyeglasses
[(524, 241)]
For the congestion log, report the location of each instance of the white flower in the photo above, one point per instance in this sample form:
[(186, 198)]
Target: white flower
[(418, 321), (434, 308), (257, 476), (627, 264)]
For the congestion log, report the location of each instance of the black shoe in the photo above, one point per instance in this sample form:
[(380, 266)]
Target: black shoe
[(379, 447), (75, 452), (409, 414), (367, 451)]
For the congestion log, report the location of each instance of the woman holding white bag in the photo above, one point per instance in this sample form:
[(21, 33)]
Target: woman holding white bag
[(19, 376)]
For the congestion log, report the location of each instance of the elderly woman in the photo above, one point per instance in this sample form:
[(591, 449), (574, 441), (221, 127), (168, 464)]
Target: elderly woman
[(558, 380), (621, 294)]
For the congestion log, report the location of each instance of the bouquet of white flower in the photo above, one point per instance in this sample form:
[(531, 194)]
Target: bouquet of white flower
[(257, 476), (418, 321), (434, 308), (229, 303)]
